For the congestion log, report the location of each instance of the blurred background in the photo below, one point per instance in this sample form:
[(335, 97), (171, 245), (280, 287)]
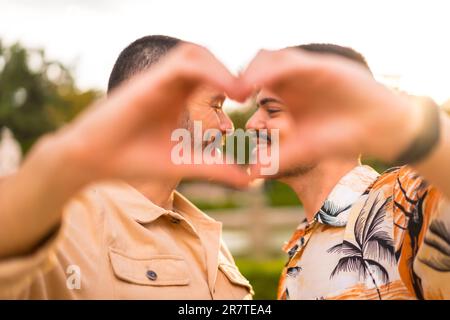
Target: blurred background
[(56, 56)]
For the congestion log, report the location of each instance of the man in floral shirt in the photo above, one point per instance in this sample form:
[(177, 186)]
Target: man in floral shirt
[(366, 235)]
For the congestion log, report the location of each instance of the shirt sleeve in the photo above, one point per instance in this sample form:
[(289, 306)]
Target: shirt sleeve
[(424, 258), (432, 262), (17, 273)]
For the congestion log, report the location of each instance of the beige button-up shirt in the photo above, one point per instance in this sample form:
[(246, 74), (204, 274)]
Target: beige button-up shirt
[(116, 244)]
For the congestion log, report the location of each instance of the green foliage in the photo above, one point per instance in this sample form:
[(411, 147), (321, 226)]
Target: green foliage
[(241, 116), (208, 205), (36, 95), (379, 166), (263, 276), (239, 119), (280, 194)]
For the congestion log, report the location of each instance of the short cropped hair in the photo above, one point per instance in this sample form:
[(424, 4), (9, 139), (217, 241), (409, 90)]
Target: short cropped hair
[(139, 56)]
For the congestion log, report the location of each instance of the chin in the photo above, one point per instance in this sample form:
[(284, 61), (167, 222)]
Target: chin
[(294, 172)]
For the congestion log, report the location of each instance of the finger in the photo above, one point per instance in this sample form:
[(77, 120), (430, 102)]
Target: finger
[(272, 66), (158, 161), (228, 174), (147, 96), (196, 65)]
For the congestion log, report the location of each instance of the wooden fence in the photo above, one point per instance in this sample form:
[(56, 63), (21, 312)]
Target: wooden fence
[(258, 231)]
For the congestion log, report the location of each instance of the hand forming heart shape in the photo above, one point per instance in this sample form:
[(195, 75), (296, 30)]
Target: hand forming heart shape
[(336, 104)]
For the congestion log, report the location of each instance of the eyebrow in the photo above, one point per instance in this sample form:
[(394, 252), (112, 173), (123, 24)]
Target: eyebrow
[(265, 101)]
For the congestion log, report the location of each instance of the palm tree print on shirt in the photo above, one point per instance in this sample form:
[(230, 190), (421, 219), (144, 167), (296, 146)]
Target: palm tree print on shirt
[(373, 244), (329, 213)]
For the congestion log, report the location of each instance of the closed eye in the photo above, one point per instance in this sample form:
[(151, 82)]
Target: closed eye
[(272, 111)]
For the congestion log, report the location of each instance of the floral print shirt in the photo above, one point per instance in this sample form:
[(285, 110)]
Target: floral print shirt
[(376, 237)]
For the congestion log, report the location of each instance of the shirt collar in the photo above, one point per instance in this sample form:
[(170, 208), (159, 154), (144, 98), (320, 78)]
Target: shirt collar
[(337, 205), (133, 203)]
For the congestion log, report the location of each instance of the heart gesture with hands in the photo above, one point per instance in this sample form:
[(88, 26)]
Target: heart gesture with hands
[(337, 106)]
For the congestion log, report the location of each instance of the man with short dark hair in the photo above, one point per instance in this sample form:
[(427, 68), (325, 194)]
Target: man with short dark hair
[(330, 48), (139, 56), (366, 235), (128, 234)]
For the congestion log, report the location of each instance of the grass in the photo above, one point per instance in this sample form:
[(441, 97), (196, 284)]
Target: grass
[(263, 276)]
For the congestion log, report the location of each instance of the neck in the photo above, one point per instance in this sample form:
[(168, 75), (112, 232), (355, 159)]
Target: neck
[(313, 187), (157, 191)]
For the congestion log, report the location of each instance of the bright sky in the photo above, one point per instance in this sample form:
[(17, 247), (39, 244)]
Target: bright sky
[(407, 41)]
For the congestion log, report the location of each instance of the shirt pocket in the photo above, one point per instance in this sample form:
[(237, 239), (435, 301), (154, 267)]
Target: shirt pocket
[(235, 277), (154, 270)]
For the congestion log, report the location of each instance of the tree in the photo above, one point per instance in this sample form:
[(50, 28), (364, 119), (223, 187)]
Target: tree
[(36, 95)]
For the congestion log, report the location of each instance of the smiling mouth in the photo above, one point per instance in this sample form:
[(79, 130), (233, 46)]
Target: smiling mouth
[(212, 140), (262, 139), (261, 142)]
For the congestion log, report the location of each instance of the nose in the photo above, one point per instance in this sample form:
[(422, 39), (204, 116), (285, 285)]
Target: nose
[(225, 123), (255, 122)]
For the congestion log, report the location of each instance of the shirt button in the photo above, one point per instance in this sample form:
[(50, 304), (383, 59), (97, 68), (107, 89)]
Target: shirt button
[(151, 275), (175, 220)]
